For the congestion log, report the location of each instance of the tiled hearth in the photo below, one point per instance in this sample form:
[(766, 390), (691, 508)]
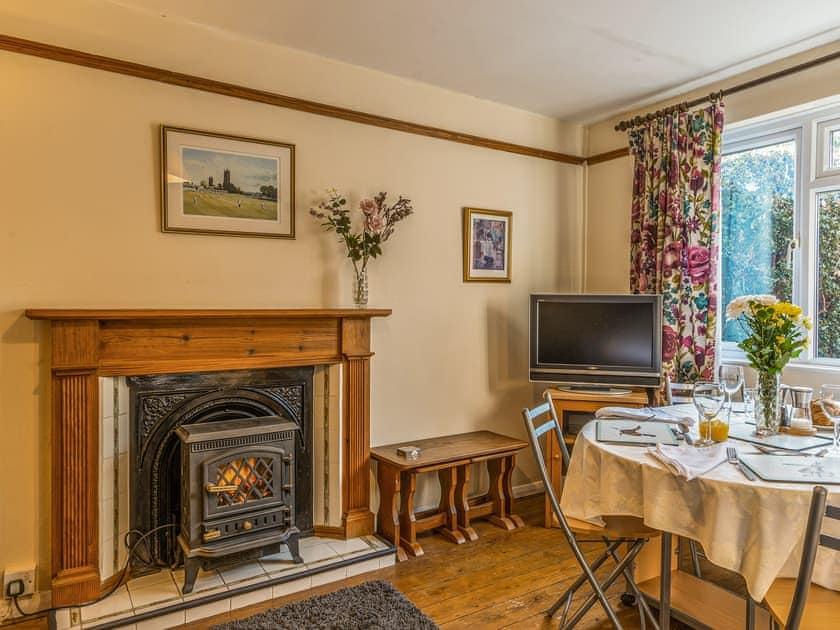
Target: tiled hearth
[(156, 601)]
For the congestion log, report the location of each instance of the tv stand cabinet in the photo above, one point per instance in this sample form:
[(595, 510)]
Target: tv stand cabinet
[(574, 409)]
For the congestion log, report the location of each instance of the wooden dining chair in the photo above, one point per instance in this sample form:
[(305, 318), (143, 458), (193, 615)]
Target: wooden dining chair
[(618, 531), (798, 604)]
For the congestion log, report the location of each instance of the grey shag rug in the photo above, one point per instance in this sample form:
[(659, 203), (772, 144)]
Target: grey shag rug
[(374, 605)]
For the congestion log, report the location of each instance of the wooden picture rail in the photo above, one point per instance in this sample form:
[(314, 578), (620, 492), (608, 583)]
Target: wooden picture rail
[(609, 155), (161, 75), (87, 344)]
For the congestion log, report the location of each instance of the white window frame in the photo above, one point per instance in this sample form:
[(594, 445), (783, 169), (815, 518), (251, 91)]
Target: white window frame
[(810, 127), (823, 155)]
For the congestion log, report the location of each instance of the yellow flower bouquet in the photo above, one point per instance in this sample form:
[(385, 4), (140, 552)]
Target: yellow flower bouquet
[(776, 333)]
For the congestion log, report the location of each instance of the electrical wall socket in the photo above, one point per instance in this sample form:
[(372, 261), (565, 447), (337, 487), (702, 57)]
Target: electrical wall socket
[(26, 575)]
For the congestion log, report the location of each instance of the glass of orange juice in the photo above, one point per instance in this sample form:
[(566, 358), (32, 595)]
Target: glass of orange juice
[(717, 428), (708, 398)]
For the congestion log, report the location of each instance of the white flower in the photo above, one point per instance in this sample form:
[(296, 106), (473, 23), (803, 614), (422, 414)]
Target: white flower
[(740, 305)]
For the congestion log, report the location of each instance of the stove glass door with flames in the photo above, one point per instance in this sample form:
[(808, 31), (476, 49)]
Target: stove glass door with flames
[(245, 482)]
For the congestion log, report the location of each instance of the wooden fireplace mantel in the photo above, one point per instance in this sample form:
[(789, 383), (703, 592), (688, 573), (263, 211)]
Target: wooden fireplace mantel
[(89, 343)]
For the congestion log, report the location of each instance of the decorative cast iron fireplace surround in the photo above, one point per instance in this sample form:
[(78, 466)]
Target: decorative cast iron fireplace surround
[(89, 343)]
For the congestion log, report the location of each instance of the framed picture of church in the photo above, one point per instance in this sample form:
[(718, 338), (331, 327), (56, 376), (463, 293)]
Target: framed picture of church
[(487, 245), (219, 184)]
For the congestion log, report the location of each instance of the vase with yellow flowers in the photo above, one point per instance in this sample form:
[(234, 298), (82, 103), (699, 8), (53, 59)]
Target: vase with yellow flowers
[(776, 332)]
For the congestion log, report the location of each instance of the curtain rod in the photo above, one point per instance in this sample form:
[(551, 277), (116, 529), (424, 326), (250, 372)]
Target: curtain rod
[(686, 105)]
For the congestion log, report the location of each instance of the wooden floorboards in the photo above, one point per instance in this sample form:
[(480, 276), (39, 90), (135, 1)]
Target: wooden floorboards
[(502, 580)]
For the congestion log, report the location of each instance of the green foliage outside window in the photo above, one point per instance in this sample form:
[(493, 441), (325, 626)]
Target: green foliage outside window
[(828, 297), (757, 225)]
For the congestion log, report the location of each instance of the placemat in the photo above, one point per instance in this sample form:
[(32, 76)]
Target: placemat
[(615, 432), (794, 468), (746, 433)]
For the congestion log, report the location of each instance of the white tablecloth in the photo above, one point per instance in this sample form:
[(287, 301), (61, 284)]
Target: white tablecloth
[(753, 528)]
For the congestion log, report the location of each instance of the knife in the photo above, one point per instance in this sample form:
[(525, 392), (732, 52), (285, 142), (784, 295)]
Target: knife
[(732, 457), (746, 471), (684, 430)]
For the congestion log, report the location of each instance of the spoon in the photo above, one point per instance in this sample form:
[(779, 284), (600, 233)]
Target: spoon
[(684, 430)]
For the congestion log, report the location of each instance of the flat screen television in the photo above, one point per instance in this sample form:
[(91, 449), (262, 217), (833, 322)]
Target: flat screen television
[(596, 342)]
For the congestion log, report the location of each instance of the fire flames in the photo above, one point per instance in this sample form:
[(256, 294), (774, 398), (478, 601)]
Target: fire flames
[(250, 475)]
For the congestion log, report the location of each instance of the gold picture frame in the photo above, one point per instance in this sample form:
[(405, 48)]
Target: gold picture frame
[(214, 183), (487, 245)]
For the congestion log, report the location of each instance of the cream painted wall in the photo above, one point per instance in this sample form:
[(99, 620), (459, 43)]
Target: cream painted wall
[(80, 228), (609, 184)]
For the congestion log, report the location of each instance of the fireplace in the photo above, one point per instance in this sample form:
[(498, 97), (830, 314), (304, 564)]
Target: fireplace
[(87, 344), (162, 404), (237, 492)]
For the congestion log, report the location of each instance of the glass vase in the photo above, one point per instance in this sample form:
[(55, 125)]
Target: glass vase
[(360, 288), (767, 407)]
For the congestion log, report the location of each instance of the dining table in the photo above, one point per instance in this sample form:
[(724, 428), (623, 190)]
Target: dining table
[(752, 527)]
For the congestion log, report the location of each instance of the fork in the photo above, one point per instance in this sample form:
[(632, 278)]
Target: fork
[(732, 458)]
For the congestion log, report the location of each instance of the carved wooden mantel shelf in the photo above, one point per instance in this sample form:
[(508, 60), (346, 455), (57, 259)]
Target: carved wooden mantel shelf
[(89, 343)]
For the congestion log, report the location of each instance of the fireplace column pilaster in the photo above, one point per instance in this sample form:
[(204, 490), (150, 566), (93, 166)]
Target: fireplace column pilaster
[(355, 349), (75, 462)]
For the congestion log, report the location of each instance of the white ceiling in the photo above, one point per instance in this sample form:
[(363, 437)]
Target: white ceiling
[(576, 60)]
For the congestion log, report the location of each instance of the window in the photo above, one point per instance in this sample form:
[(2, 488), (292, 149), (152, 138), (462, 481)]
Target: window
[(828, 148), (828, 276), (834, 155), (757, 199), (780, 221)]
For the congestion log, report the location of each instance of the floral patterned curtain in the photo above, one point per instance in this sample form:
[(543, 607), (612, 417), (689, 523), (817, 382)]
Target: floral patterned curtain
[(674, 233)]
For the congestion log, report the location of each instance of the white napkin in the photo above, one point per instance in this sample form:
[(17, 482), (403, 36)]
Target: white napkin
[(688, 461), (645, 413)]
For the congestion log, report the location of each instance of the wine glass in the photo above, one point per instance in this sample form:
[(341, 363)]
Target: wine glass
[(830, 404), (708, 398), (731, 378)]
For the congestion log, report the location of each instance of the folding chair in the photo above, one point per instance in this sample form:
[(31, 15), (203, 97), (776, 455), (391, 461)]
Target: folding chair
[(797, 603), (619, 530)]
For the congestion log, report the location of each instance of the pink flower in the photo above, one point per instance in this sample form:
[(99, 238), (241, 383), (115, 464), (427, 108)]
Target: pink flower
[(697, 181), (699, 262), (374, 224), (367, 206)]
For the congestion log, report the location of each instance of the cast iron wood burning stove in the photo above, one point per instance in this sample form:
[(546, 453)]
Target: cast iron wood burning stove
[(237, 492)]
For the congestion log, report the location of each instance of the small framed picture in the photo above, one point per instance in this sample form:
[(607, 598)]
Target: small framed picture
[(218, 184), (487, 239)]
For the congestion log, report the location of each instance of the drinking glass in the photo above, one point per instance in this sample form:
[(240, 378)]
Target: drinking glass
[(708, 398), (830, 404), (731, 378), (749, 403)]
